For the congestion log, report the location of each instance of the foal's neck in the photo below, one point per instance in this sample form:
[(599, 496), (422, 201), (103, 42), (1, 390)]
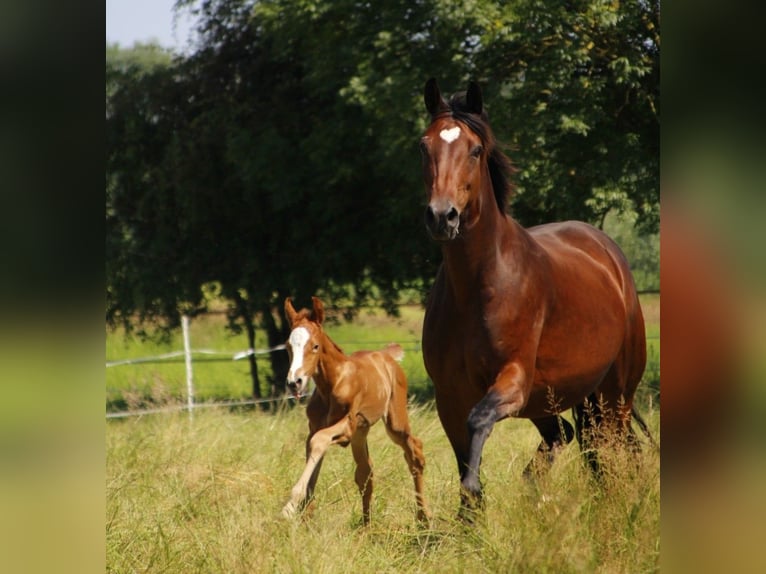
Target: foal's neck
[(331, 362)]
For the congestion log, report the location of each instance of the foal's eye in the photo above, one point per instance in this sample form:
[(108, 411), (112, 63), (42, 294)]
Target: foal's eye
[(316, 348), (476, 151)]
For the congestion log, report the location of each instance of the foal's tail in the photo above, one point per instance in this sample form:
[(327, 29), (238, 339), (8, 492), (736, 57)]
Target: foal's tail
[(643, 426), (396, 352)]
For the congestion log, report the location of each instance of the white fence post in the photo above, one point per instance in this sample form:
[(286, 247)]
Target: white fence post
[(189, 373)]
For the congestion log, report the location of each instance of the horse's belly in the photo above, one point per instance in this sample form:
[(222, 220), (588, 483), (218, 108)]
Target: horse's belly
[(547, 396)]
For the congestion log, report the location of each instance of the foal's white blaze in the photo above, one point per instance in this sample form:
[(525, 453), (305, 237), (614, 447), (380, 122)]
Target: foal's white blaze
[(450, 135), (297, 341)]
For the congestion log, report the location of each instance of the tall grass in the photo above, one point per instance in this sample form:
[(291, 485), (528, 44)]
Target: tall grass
[(204, 495)]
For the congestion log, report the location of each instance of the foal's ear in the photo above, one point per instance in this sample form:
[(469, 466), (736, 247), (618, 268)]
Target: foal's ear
[(290, 312), (317, 315), (433, 98), (473, 100)]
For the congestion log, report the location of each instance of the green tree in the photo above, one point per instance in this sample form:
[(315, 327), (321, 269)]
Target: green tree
[(280, 158), (576, 96)]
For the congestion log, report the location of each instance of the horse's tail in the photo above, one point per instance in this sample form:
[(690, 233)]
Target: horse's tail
[(396, 352), (643, 426)]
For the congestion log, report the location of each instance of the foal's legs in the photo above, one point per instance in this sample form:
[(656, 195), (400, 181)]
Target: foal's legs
[(314, 476), (556, 433), (340, 432), (316, 412), (398, 428), (363, 474)]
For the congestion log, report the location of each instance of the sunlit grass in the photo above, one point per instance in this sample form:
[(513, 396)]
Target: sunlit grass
[(204, 495)]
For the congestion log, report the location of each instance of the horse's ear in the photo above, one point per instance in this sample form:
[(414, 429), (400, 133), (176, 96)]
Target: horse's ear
[(433, 98), (290, 312), (317, 314), (473, 100)]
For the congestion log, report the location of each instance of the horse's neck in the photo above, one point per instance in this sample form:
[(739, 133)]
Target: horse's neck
[(330, 364), (473, 260)]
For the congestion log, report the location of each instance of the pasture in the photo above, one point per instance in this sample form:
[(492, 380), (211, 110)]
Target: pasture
[(204, 494)]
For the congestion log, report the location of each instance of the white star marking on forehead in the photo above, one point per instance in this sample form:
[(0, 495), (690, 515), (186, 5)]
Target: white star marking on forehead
[(298, 338), (450, 135)]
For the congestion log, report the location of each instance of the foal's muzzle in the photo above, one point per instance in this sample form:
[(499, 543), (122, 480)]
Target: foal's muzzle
[(442, 220), (295, 386)]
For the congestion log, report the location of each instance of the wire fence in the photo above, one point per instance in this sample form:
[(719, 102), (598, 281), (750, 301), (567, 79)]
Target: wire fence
[(191, 356)]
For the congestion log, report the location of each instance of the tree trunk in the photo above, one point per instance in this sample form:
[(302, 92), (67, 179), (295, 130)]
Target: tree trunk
[(277, 333), (245, 313)]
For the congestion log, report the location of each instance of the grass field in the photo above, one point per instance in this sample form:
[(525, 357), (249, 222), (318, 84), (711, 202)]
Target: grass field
[(204, 494)]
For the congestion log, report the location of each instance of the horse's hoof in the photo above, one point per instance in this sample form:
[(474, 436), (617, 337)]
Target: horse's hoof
[(467, 515)]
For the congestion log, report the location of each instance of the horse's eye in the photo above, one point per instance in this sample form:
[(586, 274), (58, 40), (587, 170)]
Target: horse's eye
[(476, 151), (316, 348), (423, 147)]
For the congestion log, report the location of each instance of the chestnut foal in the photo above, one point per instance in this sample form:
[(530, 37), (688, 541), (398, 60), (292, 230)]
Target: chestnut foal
[(352, 394)]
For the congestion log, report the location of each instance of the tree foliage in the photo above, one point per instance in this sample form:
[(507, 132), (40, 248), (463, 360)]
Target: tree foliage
[(280, 157)]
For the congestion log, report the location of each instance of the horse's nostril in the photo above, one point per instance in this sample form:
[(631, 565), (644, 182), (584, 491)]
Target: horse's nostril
[(452, 214), (430, 215)]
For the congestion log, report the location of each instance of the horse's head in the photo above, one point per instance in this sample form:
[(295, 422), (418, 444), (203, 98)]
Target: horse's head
[(452, 158), (460, 161), (304, 344)]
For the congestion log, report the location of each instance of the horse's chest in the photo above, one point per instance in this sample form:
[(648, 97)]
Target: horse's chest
[(460, 346)]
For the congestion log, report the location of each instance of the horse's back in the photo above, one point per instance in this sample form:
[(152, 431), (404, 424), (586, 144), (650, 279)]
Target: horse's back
[(578, 251)]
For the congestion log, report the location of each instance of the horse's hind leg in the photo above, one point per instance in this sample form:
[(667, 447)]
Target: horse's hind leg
[(413, 454), (398, 428), (557, 433), (363, 474), (604, 418), (587, 417)]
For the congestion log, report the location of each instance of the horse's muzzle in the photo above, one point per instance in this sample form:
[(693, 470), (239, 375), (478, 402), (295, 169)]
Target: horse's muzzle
[(442, 221)]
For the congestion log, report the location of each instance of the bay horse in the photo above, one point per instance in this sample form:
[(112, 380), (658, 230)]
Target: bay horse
[(352, 394), (519, 322)]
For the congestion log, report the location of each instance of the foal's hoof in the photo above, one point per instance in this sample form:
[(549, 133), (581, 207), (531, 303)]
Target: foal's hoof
[(289, 510)]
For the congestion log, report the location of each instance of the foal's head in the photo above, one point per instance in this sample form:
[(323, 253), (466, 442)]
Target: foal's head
[(304, 344), (460, 156)]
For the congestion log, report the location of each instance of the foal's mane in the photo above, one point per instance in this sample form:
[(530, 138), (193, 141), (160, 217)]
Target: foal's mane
[(500, 166)]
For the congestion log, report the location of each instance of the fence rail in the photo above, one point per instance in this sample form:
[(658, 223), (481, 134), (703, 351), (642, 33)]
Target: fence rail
[(187, 355)]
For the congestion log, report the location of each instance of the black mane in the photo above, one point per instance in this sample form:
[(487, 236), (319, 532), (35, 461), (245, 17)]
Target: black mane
[(500, 166)]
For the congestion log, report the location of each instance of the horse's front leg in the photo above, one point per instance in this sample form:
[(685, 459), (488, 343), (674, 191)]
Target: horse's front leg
[(340, 432), (504, 398)]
